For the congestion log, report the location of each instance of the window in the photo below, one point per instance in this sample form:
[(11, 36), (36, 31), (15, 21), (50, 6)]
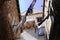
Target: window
[(39, 19)]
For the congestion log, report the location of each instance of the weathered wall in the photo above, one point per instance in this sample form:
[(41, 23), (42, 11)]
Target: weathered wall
[(48, 21), (8, 11), (5, 27)]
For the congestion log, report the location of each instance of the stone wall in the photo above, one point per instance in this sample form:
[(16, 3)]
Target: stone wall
[(8, 12)]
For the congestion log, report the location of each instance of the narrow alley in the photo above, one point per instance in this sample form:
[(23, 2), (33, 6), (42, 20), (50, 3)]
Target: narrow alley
[(31, 35), (29, 20)]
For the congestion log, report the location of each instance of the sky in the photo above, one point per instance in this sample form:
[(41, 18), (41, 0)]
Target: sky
[(24, 5)]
